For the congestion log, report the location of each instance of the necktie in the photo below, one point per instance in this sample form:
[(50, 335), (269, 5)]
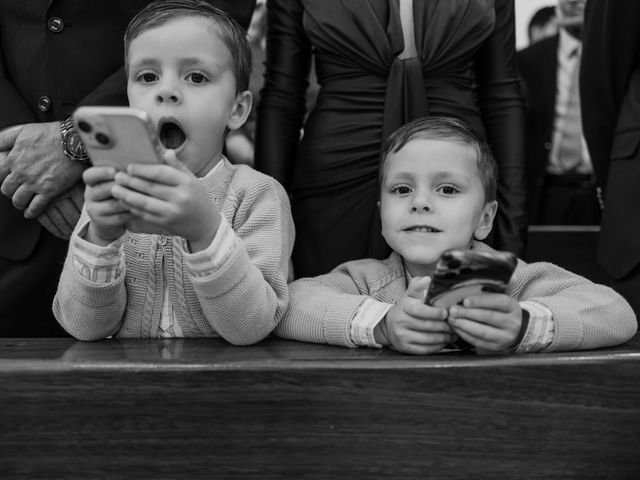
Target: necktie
[(570, 153)]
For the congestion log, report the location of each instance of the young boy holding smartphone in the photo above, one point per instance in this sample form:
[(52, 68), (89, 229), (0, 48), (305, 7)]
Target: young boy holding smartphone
[(219, 266), (438, 192)]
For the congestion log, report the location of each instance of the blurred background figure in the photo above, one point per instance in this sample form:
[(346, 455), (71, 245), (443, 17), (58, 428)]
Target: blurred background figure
[(239, 143), (543, 24), (381, 64), (560, 182), (610, 83)]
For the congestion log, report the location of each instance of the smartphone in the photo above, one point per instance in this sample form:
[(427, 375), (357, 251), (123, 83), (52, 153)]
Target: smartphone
[(462, 273), (117, 136)]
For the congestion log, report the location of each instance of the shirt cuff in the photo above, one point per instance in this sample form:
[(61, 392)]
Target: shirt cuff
[(541, 330), (207, 261), (93, 262), (369, 314)]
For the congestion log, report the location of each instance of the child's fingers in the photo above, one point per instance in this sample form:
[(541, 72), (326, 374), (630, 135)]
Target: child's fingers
[(427, 326), (94, 175), (171, 158), (165, 174), (140, 184), (481, 335), (418, 342), (418, 287), (489, 317), (490, 301), (420, 311), (419, 349), (144, 203), (429, 339), (99, 192), (106, 208)]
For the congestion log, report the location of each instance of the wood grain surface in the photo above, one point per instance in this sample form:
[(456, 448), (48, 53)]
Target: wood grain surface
[(204, 409)]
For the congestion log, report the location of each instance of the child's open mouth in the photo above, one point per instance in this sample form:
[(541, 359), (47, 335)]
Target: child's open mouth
[(171, 134)]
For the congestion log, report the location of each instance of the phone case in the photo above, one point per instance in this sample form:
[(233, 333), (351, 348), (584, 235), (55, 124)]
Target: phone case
[(461, 273), (117, 136)]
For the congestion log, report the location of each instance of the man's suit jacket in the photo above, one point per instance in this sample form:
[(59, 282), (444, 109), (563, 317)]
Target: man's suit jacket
[(80, 65), (538, 70), (610, 98), (76, 62)]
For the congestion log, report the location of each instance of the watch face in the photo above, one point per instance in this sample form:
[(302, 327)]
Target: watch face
[(74, 146)]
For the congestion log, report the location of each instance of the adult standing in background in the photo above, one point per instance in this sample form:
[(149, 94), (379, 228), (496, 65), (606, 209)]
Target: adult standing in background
[(55, 55), (380, 64), (610, 88), (543, 24), (560, 184)]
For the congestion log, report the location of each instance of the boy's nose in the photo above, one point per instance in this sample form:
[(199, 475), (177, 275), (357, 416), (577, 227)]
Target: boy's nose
[(421, 203), (168, 95), (423, 207)]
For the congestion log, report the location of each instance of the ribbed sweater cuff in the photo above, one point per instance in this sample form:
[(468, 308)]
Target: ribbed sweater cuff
[(569, 331), (339, 315)]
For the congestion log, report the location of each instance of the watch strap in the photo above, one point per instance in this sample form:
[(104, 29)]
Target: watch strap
[(78, 152)]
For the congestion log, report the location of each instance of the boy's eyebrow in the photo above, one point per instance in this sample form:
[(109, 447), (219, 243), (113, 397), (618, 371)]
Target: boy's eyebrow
[(183, 61), (437, 175), (143, 61), (448, 173)]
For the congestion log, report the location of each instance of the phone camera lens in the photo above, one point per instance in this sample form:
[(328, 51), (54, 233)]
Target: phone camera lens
[(102, 138), (84, 126)]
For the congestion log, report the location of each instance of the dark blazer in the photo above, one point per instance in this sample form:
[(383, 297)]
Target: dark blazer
[(610, 97), (538, 67), (80, 64)]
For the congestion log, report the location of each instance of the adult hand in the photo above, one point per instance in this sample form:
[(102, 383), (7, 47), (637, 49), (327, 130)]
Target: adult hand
[(62, 214), (411, 326), (33, 168)]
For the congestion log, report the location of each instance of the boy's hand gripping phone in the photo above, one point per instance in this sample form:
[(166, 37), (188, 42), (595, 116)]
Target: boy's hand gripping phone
[(117, 136), (462, 273)]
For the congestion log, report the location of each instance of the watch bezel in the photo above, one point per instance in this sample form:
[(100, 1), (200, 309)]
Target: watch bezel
[(67, 130)]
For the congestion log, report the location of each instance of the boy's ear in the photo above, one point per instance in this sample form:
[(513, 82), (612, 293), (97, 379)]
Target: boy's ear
[(486, 220), (241, 110)]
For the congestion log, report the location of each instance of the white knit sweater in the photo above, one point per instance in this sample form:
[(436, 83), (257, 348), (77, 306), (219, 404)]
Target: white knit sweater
[(242, 300), (586, 315)]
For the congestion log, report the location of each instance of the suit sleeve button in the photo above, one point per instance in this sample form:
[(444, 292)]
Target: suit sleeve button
[(44, 103), (55, 24)]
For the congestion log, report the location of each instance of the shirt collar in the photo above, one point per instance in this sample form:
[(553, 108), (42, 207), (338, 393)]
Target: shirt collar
[(216, 167), (567, 44)]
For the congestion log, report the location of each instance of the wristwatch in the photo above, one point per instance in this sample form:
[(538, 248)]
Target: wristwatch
[(71, 143)]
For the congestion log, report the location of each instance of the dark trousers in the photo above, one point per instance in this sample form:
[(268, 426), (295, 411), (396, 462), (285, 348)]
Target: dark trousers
[(629, 287), (569, 200), (27, 288)]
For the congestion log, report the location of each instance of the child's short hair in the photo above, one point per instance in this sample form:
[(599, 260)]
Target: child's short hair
[(448, 129), (159, 12)]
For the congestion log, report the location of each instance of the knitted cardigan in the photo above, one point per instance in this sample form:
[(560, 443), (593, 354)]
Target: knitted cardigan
[(242, 300), (586, 315)]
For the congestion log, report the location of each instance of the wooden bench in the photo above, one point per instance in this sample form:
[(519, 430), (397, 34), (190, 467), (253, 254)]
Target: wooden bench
[(201, 408)]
